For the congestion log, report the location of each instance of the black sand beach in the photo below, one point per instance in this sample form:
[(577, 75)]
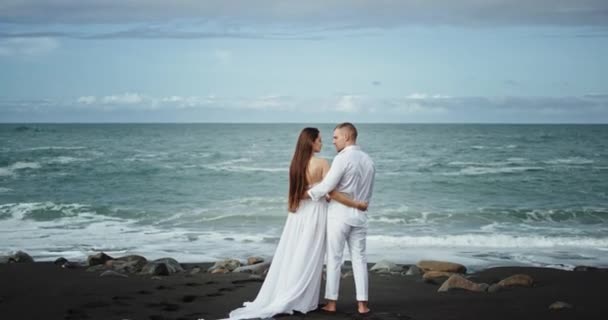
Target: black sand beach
[(43, 290)]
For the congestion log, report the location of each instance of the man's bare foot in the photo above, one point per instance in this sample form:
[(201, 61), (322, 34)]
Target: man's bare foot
[(330, 306), (362, 307)]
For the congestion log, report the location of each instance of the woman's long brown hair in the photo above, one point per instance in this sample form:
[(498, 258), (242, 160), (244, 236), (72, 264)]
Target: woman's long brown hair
[(298, 181)]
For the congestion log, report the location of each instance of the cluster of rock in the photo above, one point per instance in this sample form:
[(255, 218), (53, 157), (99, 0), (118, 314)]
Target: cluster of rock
[(256, 266), (138, 265), (450, 276), (17, 257), (131, 264)]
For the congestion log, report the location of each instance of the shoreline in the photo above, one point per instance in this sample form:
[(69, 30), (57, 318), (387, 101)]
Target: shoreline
[(62, 291)]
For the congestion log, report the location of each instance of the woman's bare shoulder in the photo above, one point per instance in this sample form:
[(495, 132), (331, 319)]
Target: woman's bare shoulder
[(320, 161), (317, 164)]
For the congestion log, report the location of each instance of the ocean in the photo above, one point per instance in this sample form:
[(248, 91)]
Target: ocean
[(479, 194)]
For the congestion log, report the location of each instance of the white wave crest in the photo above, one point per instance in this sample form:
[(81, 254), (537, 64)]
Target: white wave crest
[(10, 170), (65, 160), (473, 171), (20, 211), (570, 160), (54, 148), (489, 241), (231, 168)]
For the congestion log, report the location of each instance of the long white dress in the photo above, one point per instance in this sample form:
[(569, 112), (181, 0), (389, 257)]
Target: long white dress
[(293, 281)]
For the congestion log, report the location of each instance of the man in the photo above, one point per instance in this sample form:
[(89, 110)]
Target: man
[(352, 172)]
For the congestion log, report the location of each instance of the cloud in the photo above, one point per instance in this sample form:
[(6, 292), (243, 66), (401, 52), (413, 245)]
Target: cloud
[(124, 99), (334, 14), (348, 104), (416, 107), (27, 46), (87, 100), (165, 32)]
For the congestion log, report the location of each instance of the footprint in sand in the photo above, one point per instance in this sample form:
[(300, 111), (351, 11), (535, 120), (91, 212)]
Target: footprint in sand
[(247, 280), (76, 314), (161, 287), (164, 306), (120, 300), (381, 316), (192, 284), (95, 304), (217, 294), (188, 298)]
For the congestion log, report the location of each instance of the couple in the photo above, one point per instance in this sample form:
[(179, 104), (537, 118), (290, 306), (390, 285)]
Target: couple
[(327, 209)]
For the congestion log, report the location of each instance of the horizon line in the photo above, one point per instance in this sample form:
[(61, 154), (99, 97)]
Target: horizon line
[(287, 122)]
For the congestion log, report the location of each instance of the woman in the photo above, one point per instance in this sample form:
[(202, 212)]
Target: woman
[(294, 278)]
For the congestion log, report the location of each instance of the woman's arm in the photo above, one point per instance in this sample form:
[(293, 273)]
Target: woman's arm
[(347, 201)]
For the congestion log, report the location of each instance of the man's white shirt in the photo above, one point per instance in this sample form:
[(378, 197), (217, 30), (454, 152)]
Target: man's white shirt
[(352, 172)]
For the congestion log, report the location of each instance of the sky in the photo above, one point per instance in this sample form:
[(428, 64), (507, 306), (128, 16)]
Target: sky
[(410, 61)]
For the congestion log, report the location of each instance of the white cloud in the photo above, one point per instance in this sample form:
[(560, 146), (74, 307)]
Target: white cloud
[(27, 46), (410, 108), (125, 98), (423, 96), (336, 13), (87, 100), (348, 104)]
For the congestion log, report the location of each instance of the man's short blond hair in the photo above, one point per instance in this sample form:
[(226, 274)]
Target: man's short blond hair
[(352, 131)]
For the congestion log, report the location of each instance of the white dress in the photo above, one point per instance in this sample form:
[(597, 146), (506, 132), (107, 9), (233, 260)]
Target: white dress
[(293, 281)]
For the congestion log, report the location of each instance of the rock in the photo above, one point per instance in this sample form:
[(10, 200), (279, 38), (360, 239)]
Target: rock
[(585, 268), (220, 270), (72, 265), (156, 278), (98, 258), (436, 277), (385, 267), (413, 271), (128, 264), (96, 268), (560, 305), (254, 260), (172, 265), (256, 277), (229, 265), (518, 280), (260, 268), (155, 269), (20, 257), (60, 261), (111, 273), (436, 274), (195, 270), (431, 265), (494, 288), (347, 274), (459, 282), (162, 267)]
